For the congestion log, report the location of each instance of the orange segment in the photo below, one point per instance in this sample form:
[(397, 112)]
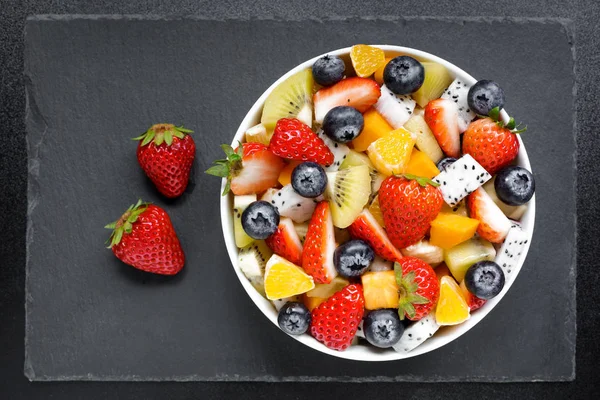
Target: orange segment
[(284, 279), (391, 153), (366, 59), (448, 230), (375, 127), (380, 290), (379, 73), (376, 211), (285, 176), (452, 309), (421, 165)]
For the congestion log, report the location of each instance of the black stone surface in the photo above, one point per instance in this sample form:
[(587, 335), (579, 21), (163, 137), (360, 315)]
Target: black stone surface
[(583, 15), (94, 83)]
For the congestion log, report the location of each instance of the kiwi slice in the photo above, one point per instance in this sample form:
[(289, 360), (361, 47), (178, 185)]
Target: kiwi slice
[(354, 159), (239, 205), (437, 79), (348, 191), (291, 99)]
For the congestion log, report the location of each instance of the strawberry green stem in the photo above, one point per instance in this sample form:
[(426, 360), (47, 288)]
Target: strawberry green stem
[(124, 224), (162, 133)]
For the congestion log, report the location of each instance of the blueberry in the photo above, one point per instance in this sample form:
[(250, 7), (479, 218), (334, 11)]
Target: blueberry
[(294, 318), (260, 220), (514, 185), (485, 95), (383, 328), (309, 179), (403, 75), (343, 124), (352, 258), (445, 163), (484, 279), (328, 70)]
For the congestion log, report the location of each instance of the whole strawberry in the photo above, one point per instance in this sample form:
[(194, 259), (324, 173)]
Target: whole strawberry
[(251, 168), (166, 153), (145, 239), (335, 321), (492, 143), (419, 288), (294, 140), (409, 203)]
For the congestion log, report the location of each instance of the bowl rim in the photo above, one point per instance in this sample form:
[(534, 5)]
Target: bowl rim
[(368, 353)]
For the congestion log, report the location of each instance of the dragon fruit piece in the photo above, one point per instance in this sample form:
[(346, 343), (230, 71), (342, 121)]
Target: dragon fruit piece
[(281, 302), (360, 331), (339, 150), (417, 333), (396, 109), (457, 92), (511, 251), (379, 264), (290, 204), (460, 179), (269, 194)]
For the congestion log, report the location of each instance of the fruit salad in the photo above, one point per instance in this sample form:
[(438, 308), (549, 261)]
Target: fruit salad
[(378, 200)]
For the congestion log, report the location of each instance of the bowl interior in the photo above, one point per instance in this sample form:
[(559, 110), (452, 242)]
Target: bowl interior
[(363, 352)]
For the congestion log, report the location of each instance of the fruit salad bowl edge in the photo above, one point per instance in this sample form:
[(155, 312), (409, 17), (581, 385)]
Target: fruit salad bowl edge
[(366, 352)]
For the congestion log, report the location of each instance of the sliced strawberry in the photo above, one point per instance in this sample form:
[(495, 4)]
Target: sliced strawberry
[(335, 321), (441, 116), (260, 170), (250, 169), (285, 242), (294, 140), (360, 93), (365, 227), (493, 224), (319, 245)]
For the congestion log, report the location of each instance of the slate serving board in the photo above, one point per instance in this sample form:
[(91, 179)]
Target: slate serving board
[(93, 83)]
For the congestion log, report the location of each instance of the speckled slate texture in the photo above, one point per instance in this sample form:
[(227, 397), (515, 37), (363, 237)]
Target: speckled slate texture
[(93, 83)]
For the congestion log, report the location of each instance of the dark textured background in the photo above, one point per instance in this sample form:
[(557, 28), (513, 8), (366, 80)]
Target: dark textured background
[(101, 79), (13, 384)]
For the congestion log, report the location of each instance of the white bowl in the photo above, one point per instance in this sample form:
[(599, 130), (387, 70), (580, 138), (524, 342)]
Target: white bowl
[(366, 352)]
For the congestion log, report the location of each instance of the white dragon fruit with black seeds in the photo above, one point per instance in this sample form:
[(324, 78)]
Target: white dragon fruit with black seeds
[(460, 179), (290, 204), (396, 109), (339, 150), (417, 333), (512, 250), (360, 330), (281, 302), (457, 92)]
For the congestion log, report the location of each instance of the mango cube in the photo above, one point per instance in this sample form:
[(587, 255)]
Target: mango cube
[(375, 127), (448, 230), (380, 290), (421, 165)]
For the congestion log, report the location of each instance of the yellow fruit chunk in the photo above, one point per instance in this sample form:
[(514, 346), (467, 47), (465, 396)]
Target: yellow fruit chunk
[(380, 290), (460, 209), (284, 279), (285, 176), (421, 165), (379, 73), (312, 302), (366, 59), (391, 153), (376, 211), (459, 258), (326, 290), (448, 230), (452, 309), (375, 127), (258, 134)]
